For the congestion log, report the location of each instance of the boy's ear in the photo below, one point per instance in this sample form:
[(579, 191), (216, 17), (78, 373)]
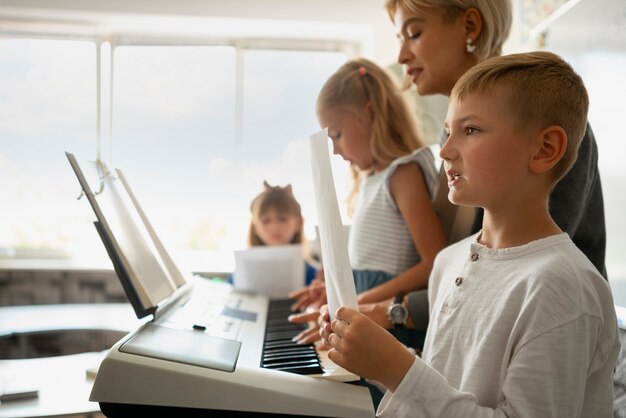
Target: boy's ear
[(473, 22), (552, 142)]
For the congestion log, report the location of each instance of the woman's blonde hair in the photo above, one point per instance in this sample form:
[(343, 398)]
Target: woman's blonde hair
[(359, 83), (496, 18), (280, 199)]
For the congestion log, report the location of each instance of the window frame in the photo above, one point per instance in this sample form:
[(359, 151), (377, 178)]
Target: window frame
[(105, 80)]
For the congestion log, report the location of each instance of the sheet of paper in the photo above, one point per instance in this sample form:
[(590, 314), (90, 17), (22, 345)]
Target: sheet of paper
[(340, 289), (271, 271), (131, 238)]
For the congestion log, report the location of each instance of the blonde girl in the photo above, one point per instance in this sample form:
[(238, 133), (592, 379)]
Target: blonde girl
[(395, 232)]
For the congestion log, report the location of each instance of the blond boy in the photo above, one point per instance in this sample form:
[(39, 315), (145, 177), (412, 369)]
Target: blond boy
[(522, 324)]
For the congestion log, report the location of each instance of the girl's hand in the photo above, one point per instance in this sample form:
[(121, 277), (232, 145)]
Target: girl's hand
[(313, 295), (364, 348)]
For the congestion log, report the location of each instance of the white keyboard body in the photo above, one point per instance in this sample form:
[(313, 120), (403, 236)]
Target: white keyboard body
[(127, 379)]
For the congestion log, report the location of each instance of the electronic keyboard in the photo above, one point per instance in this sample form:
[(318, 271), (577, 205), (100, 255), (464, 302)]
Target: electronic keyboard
[(208, 349), (238, 360)]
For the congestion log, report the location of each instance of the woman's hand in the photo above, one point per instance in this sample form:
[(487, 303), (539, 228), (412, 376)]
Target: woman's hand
[(310, 317), (377, 312)]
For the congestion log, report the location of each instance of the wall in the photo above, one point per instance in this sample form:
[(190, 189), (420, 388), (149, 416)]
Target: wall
[(37, 286)]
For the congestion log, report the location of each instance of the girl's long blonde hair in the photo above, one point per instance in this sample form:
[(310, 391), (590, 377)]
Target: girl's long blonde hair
[(359, 83)]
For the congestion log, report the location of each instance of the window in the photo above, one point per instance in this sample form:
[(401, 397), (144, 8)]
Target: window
[(175, 134), (196, 129), (174, 111), (47, 106)]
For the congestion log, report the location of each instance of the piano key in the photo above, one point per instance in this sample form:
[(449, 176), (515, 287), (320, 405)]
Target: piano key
[(286, 352), (279, 351), (311, 354), (302, 369)]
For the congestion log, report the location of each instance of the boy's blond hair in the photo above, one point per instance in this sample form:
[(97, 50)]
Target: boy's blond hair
[(359, 83), (541, 90), (496, 16)]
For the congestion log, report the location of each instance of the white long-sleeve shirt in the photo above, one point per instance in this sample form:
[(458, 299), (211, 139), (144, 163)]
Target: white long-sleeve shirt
[(525, 332)]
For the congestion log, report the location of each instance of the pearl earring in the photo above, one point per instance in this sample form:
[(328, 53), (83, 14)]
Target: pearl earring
[(469, 46)]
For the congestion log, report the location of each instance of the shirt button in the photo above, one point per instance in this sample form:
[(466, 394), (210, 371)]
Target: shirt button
[(474, 256), (458, 281)]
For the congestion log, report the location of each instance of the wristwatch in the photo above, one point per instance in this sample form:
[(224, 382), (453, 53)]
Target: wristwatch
[(397, 312)]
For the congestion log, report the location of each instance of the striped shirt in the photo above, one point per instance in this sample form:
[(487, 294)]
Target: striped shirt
[(379, 238)]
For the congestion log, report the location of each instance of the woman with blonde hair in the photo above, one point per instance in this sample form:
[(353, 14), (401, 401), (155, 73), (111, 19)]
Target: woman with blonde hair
[(439, 41)]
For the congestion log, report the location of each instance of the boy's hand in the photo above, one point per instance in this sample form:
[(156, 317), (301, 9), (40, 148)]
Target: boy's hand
[(364, 348), (377, 312), (323, 322)]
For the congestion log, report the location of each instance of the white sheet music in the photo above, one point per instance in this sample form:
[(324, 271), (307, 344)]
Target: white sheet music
[(271, 271), (340, 289), (119, 216)]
